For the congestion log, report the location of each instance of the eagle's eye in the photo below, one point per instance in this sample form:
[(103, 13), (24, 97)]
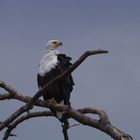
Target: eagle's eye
[(55, 42)]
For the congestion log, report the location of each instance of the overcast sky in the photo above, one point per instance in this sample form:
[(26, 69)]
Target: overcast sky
[(109, 81)]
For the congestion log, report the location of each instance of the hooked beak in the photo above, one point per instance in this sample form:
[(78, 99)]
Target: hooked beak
[(60, 43)]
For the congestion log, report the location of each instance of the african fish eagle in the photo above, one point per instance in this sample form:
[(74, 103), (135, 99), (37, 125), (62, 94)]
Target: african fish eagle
[(52, 64)]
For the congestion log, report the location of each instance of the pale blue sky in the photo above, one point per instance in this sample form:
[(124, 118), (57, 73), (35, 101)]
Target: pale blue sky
[(110, 81)]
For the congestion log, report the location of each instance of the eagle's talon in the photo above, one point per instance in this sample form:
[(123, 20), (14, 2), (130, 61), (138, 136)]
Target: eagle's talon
[(51, 101)]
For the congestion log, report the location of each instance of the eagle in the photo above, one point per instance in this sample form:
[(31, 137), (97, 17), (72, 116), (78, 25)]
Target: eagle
[(51, 65)]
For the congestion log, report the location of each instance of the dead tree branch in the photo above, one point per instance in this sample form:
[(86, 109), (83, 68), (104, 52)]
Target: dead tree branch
[(65, 127), (30, 104), (23, 118), (102, 124)]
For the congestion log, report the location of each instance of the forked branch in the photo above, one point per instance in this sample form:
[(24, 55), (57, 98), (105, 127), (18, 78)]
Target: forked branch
[(103, 123)]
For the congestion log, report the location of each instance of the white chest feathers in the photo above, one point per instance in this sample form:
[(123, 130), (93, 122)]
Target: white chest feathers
[(48, 62)]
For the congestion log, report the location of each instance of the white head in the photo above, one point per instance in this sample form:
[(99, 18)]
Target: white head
[(53, 44)]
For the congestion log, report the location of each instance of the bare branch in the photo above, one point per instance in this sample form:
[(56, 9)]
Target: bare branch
[(65, 127), (30, 104), (102, 114), (102, 124), (23, 118), (19, 96), (8, 88)]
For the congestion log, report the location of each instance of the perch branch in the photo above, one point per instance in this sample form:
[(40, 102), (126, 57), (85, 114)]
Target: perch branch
[(102, 124), (30, 104)]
